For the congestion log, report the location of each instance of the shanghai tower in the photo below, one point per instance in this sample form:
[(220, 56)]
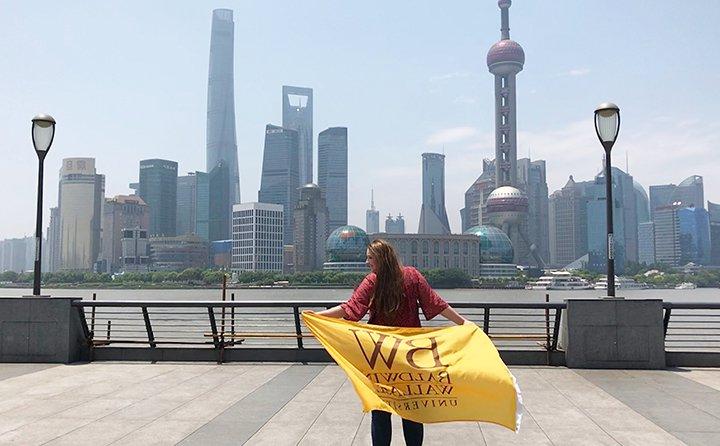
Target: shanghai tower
[(222, 159)]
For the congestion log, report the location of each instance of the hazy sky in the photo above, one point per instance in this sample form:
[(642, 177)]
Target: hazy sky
[(127, 80)]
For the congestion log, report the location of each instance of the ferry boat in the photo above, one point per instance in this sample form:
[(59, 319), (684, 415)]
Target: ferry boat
[(559, 280), (686, 286), (621, 283)]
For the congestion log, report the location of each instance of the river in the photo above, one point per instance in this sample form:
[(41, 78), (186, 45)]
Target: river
[(453, 295)]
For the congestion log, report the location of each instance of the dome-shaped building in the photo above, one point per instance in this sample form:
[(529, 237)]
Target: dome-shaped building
[(507, 204), (345, 249), (495, 245)]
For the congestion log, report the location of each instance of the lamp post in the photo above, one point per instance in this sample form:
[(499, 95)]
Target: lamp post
[(607, 126), (43, 132)]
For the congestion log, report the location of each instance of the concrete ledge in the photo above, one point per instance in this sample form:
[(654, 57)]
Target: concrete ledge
[(41, 329), (615, 333), (692, 359)]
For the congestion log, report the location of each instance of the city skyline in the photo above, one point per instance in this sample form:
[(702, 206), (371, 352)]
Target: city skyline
[(459, 117)]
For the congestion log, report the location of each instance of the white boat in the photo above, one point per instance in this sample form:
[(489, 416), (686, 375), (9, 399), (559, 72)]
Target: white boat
[(559, 280), (621, 283), (686, 286)]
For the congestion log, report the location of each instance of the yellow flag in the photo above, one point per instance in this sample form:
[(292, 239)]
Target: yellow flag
[(428, 375)]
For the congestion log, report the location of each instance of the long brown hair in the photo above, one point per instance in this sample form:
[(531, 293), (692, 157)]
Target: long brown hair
[(389, 289)]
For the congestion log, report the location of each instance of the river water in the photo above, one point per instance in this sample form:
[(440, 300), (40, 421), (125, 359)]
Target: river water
[(453, 295)]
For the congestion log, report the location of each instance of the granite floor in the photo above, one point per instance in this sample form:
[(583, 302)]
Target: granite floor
[(285, 404)]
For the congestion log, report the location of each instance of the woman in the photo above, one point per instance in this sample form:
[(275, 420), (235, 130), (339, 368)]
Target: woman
[(392, 295)]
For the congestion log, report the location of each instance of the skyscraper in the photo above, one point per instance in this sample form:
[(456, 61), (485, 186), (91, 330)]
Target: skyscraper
[(279, 179), (333, 174), (120, 213), (395, 225), (372, 216), (81, 197), (257, 237), (221, 155), (158, 188), (475, 196), (297, 114), (311, 217), (54, 237), (667, 235), (689, 193), (433, 217), (714, 214), (533, 180), (193, 211), (646, 243), (694, 235), (568, 224)]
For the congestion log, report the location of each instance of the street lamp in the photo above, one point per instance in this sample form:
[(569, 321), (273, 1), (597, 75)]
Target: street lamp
[(43, 132), (607, 126)]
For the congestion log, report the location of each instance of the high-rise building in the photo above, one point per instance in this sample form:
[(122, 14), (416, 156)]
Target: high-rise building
[(17, 254), (120, 213), (395, 225), (51, 249), (311, 217), (667, 235), (714, 214), (297, 114), (568, 224), (646, 243), (372, 216), (257, 243), (221, 154), (279, 179), (597, 218), (689, 193), (694, 235), (433, 216), (333, 174), (158, 188), (533, 180), (134, 250), (642, 203), (81, 197), (472, 214), (193, 210)]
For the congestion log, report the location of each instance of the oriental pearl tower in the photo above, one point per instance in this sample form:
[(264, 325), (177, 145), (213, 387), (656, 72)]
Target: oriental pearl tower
[(507, 206)]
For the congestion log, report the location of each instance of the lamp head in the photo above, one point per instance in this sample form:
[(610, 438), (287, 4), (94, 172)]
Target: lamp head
[(43, 133), (607, 124)]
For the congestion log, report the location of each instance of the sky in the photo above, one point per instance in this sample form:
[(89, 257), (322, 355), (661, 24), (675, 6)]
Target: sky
[(127, 80)]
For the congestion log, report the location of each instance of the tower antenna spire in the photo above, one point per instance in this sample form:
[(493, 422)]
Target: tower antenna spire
[(504, 19), (372, 199)]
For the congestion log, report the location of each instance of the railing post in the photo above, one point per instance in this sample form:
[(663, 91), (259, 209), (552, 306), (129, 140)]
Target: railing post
[(298, 328), (92, 314), (666, 321), (216, 340), (232, 317), (148, 327), (108, 329), (556, 328), (547, 328)]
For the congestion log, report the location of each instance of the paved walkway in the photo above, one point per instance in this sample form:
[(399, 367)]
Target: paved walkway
[(283, 404)]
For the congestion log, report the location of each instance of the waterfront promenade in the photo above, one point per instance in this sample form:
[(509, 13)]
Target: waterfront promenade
[(286, 404)]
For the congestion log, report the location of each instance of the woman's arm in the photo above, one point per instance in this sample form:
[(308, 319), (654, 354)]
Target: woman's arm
[(336, 311), (452, 315)]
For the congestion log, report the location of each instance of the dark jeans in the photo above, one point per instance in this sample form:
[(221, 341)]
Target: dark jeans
[(381, 430)]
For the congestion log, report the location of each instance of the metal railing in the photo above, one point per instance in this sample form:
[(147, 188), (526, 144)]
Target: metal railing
[(525, 333), (692, 327)]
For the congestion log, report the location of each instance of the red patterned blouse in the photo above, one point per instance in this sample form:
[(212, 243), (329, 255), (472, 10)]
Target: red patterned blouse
[(417, 293)]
